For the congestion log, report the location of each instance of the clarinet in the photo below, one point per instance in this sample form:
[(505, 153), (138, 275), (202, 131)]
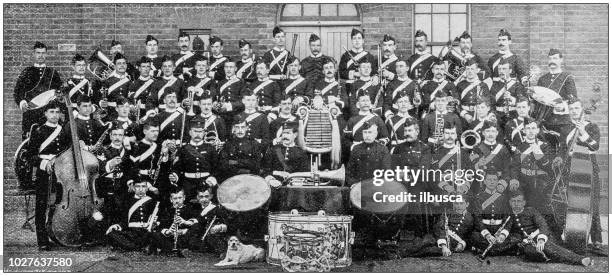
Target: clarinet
[(176, 229), (97, 147)]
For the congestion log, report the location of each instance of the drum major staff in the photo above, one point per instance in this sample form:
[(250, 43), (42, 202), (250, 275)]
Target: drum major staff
[(175, 128)]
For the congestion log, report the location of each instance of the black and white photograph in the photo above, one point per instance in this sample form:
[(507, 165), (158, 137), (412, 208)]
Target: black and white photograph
[(256, 137)]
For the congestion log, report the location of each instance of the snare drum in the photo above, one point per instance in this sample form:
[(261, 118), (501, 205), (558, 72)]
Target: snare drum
[(299, 240)]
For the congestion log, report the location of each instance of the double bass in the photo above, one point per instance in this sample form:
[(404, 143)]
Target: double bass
[(76, 171)]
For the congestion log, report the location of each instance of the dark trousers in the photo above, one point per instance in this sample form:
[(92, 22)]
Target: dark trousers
[(166, 243), (553, 252), (43, 182), (213, 243), (506, 248), (595, 223), (129, 239)]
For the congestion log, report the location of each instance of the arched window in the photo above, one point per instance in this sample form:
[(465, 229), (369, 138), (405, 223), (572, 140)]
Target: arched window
[(332, 22)]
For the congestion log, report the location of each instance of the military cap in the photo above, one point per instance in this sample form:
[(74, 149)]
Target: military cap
[(118, 56), (83, 98), (518, 192), (313, 37), (522, 98), (465, 35), (152, 121), (328, 60), (167, 58), (449, 125), (122, 101), (292, 59), (442, 94), (243, 43), (151, 38), (483, 100), (420, 33), (388, 38), (471, 62), (410, 121), (530, 120), (504, 32), (214, 39), (368, 125), (197, 122), (200, 58), (571, 99), (39, 45), (491, 170), (143, 60), (54, 104), (489, 124), (276, 31), (114, 43), (355, 32), (292, 125), (554, 51), (183, 34), (114, 125), (401, 94)]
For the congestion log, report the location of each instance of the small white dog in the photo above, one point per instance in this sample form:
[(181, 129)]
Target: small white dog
[(238, 253)]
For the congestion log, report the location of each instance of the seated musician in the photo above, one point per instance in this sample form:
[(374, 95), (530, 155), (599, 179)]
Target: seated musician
[(395, 124), (166, 82), (492, 211), (534, 238), (195, 162), (266, 90), (284, 115), (170, 118), (470, 90), (400, 87), (200, 84), (295, 87), (46, 142), (367, 156), (144, 156), (514, 129), (432, 126), (286, 157), (258, 126), (89, 130), (482, 113), (414, 153), (131, 233), (453, 231), (212, 122), (445, 157), (491, 154), (356, 124), (330, 90), (429, 88), (174, 222), (209, 232), (241, 154)]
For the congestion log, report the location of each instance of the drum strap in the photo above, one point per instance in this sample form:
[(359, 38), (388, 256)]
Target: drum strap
[(281, 158)]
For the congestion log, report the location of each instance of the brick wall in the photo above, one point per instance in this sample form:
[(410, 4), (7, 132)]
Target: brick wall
[(581, 31)]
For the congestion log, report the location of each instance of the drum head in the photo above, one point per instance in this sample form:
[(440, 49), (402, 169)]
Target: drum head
[(243, 192), (545, 96), (388, 188)]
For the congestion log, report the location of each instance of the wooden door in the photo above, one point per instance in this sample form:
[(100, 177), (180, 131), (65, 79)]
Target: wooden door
[(332, 39)]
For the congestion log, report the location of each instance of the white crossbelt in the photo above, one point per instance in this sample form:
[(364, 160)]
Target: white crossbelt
[(143, 172)]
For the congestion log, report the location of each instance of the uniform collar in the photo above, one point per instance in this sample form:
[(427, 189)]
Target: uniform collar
[(288, 117), (120, 146), (276, 48), (84, 118), (488, 144), (218, 56), (152, 56), (196, 144), (403, 115), (123, 119), (317, 56), (489, 192), (505, 53), (247, 60), (295, 77), (145, 141), (264, 79), (404, 78), (527, 141), (51, 124), (114, 74), (78, 77), (449, 146), (185, 52), (205, 115), (168, 78), (201, 77), (144, 78), (556, 71), (426, 51), (233, 77), (438, 81), (357, 50), (365, 79), (332, 80), (523, 210), (249, 113), (364, 113), (40, 65)]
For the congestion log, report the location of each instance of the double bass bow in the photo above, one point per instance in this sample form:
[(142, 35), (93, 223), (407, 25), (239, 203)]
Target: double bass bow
[(76, 171)]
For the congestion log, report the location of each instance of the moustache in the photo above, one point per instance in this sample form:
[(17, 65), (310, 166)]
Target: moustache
[(551, 64)]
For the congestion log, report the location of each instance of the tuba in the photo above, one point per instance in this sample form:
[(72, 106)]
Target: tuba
[(470, 138), (102, 65)]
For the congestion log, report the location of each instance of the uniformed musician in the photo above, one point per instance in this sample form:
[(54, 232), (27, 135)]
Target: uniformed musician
[(350, 61), (447, 157), (141, 88), (367, 156), (277, 57), (116, 85), (514, 129), (174, 223), (421, 61), (491, 154), (517, 66), (171, 118), (482, 113), (78, 85), (389, 45), (258, 126), (432, 128), (200, 84), (229, 102), (365, 85), (395, 124), (167, 82), (311, 67), (196, 162), (400, 86), (356, 124), (246, 64), (284, 115), (144, 157), (465, 47), (267, 91), (470, 90), (34, 88), (152, 47), (184, 59), (117, 48), (558, 80), (536, 242), (46, 142), (209, 232), (329, 88), (458, 227), (217, 60), (296, 87), (429, 88), (241, 154), (89, 130), (123, 121), (212, 122), (506, 90), (286, 157), (131, 232)]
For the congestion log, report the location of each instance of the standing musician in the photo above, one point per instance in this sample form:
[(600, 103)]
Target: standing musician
[(34, 88), (258, 126), (174, 223), (356, 124), (284, 115), (131, 232), (141, 88), (212, 122), (296, 87), (412, 152), (199, 83), (229, 102), (285, 157), (587, 140), (78, 85), (395, 124), (116, 85), (217, 60), (117, 48), (365, 85), (506, 90), (492, 217), (152, 46), (389, 58), (246, 64), (421, 61), (46, 142), (267, 91), (350, 61), (470, 90), (277, 57), (210, 228), (531, 229), (556, 79), (517, 67), (329, 89), (465, 45), (446, 157), (429, 88), (312, 66), (514, 129), (433, 124), (167, 82), (400, 86), (144, 157), (89, 130), (184, 59), (241, 154), (196, 162), (171, 118), (367, 156)]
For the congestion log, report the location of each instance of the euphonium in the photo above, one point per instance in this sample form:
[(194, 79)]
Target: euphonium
[(470, 139)]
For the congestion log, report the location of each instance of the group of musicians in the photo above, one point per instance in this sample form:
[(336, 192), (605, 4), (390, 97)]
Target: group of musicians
[(169, 129)]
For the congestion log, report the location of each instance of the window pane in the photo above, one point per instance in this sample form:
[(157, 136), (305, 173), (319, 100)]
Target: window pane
[(292, 10), (458, 7), (329, 9), (347, 10), (423, 22), (435, 50), (440, 7), (422, 8), (311, 10), (458, 24), (440, 28)]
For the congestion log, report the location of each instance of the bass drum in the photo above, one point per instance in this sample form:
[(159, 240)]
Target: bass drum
[(245, 192), (363, 191), (24, 170)]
